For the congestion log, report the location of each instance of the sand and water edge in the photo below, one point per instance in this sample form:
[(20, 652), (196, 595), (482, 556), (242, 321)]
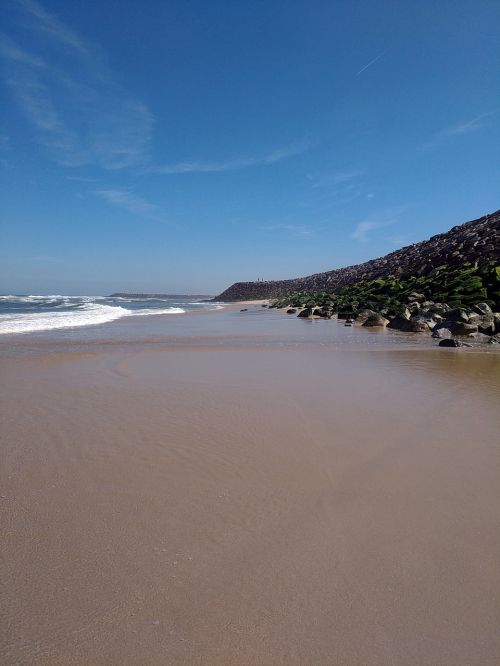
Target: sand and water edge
[(247, 489)]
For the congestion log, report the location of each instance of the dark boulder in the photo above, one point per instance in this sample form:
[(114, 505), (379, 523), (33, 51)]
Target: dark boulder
[(457, 314), (482, 309), (363, 315), (323, 313), (413, 307), (439, 309), (291, 311), (417, 325), (404, 313), (399, 324), (441, 333), (305, 313), (485, 324), (415, 297), (463, 328), (376, 319), (451, 342)]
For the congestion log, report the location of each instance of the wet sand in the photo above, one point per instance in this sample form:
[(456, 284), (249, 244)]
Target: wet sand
[(237, 502)]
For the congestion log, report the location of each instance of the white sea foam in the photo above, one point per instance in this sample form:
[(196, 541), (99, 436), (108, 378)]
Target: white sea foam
[(84, 314), (90, 315), (32, 299), (155, 311)]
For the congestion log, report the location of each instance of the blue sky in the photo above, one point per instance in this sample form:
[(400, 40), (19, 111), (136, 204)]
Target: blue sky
[(180, 146)]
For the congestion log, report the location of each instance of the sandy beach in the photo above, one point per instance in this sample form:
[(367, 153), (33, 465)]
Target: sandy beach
[(249, 498)]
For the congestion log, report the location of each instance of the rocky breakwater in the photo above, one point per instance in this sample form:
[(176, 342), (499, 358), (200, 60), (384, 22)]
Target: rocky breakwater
[(473, 242), (453, 327), (461, 326)]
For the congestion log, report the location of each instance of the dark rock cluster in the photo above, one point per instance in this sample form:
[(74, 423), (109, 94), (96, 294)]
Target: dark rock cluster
[(449, 325), (472, 242)]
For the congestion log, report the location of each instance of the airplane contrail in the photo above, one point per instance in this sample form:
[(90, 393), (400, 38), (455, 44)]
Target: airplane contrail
[(372, 62)]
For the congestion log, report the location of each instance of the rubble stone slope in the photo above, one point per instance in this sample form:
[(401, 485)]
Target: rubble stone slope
[(472, 242)]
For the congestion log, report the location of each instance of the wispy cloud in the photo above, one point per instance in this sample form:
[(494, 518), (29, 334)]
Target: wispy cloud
[(131, 203), (234, 164), (333, 189), (83, 118), (49, 24), (470, 125), (298, 230), (369, 64), (463, 127), (9, 51), (330, 180), (362, 230), (79, 111), (82, 179), (383, 218)]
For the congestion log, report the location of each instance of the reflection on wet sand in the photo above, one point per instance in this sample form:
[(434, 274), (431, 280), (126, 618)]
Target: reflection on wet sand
[(327, 504)]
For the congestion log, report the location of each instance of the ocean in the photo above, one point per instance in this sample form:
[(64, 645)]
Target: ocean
[(33, 313)]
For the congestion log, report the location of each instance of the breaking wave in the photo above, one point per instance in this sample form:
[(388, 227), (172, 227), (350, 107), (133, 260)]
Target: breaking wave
[(29, 314)]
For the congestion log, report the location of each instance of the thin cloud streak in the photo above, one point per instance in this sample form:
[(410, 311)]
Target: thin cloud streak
[(344, 178), (231, 165), (459, 129), (470, 125), (132, 204), (297, 230), (49, 24)]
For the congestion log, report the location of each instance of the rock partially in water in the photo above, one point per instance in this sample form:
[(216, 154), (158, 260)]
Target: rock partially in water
[(323, 313), (376, 319), (452, 342), (364, 315), (418, 325), (399, 323), (441, 333)]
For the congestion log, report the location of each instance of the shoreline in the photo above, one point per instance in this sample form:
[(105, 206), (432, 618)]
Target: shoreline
[(259, 328)]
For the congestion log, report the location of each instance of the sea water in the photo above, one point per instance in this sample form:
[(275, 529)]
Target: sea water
[(35, 313)]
